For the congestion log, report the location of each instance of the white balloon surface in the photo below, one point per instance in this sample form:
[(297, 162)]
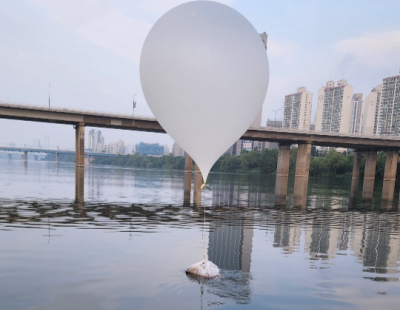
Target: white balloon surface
[(204, 73)]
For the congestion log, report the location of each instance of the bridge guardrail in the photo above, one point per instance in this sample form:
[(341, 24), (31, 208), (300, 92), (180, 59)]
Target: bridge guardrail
[(65, 110)]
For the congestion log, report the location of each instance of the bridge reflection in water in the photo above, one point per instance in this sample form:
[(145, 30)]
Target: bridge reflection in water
[(324, 234)]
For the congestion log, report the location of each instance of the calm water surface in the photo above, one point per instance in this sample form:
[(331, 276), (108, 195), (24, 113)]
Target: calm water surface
[(128, 244)]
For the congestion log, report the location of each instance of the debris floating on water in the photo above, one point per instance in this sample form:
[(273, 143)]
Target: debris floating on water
[(204, 268)]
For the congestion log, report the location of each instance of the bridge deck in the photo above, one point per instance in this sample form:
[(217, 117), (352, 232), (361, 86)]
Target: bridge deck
[(127, 122)]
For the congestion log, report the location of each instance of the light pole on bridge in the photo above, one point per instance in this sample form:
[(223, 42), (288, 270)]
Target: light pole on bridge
[(275, 115), (49, 95), (133, 105)]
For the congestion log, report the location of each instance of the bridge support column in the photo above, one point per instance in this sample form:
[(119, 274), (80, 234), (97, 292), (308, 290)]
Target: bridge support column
[(282, 174), (369, 177), (79, 162), (356, 175), (301, 177), (25, 156), (79, 184), (389, 178), (9, 156), (79, 145), (197, 187), (187, 187), (57, 157)]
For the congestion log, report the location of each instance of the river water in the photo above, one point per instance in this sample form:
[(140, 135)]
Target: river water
[(128, 244)]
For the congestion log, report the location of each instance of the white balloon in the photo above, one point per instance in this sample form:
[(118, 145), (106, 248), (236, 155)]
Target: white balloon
[(204, 73)]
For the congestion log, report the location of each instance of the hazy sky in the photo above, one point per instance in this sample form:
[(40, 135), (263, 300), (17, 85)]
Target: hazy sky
[(89, 51)]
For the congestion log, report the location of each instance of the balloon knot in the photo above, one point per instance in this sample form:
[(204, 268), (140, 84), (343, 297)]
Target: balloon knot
[(203, 185)]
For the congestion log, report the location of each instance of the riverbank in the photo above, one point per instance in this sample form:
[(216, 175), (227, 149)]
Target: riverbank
[(254, 162)]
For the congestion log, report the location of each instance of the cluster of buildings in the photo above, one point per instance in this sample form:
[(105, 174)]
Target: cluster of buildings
[(96, 144), (341, 110)]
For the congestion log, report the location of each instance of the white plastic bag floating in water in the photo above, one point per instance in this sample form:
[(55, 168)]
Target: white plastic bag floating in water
[(204, 268), (204, 73)]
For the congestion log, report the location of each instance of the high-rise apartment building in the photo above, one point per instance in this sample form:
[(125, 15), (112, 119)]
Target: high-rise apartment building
[(177, 150), (355, 118), (91, 139), (96, 140), (334, 107), (116, 147), (297, 110), (370, 115), (389, 107)]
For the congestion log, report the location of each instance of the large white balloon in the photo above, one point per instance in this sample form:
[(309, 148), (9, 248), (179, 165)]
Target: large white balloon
[(204, 73)]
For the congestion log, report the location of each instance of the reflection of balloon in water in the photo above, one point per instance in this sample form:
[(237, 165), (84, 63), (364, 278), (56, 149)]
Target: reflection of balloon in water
[(204, 73)]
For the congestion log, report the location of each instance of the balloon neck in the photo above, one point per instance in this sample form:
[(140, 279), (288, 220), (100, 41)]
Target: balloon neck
[(203, 185)]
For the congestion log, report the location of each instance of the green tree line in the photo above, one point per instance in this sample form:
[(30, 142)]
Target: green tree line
[(141, 161), (69, 158), (265, 162)]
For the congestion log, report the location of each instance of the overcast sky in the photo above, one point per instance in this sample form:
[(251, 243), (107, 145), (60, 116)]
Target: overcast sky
[(89, 51)]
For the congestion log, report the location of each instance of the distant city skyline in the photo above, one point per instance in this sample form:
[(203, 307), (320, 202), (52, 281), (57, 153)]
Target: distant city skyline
[(89, 52)]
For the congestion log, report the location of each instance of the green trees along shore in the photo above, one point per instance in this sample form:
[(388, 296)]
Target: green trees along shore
[(265, 162)]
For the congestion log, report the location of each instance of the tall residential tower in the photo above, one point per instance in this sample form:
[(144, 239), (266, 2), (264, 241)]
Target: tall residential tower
[(297, 110), (389, 107), (334, 107), (369, 124)]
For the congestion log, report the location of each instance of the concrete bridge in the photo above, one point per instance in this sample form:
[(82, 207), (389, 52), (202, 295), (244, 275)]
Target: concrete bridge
[(360, 143), (25, 150)]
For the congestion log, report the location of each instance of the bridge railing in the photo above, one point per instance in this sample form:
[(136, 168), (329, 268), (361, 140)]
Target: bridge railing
[(17, 105), (326, 133), (15, 148), (34, 147)]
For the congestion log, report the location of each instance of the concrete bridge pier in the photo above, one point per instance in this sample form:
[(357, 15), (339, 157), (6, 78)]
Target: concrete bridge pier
[(369, 177), (25, 156), (389, 178), (355, 179), (80, 145), (301, 176), (187, 181), (57, 157), (198, 180), (79, 185), (79, 163), (282, 174)]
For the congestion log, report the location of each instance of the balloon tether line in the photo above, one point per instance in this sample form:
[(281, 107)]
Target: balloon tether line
[(204, 221), (202, 237)]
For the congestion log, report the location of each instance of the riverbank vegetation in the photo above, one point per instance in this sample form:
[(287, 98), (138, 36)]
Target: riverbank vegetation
[(265, 162)]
